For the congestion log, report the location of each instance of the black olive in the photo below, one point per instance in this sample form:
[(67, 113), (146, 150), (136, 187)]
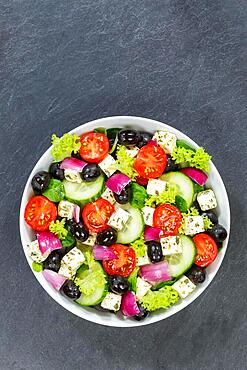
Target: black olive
[(142, 314), (125, 195), (118, 284), (107, 237), (171, 165), (79, 231), (196, 274), (76, 155), (53, 261), (145, 137), (71, 290), (211, 215), (154, 251), (40, 181), (196, 206), (128, 137), (56, 171), (90, 172), (218, 233)]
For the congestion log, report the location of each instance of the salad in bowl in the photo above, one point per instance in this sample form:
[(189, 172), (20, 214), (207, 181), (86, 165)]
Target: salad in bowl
[(123, 221)]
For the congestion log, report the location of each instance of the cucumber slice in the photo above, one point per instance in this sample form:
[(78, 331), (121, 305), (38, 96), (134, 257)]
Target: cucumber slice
[(184, 183), (180, 263), (134, 228), (99, 293), (84, 192)]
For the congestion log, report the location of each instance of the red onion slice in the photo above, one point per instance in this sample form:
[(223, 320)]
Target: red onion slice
[(101, 252), (155, 272), (117, 182), (54, 278), (129, 306), (76, 213), (72, 164), (196, 175), (152, 233), (48, 241)]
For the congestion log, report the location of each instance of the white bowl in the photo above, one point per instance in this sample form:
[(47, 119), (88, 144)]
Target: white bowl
[(109, 319)]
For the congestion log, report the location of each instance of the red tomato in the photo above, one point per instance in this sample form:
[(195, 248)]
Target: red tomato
[(141, 181), (125, 262), (168, 218), (94, 147), (151, 161), (96, 214), (207, 249), (40, 212)]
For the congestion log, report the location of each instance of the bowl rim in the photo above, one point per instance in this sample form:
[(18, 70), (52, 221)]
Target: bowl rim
[(83, 313)]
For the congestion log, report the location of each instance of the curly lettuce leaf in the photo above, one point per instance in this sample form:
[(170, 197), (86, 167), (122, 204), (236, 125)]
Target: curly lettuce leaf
[(125, 163), (139, 195), (64, 146), (194, 212), (163, 298), (198, 159), (139, 247), (58, 228), (167, 196)]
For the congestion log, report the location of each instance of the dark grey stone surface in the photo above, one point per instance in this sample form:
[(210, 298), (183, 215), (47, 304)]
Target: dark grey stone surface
[(63, 63)]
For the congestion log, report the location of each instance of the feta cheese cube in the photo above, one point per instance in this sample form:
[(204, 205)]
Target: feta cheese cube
[(193, 225), (108, 195), (207, 200), (132, 152), (65, 209), (91, 240), (142, 261), (71, 262), (111, 302), (184, 286), (167, 140), (148, 213), (156, 186), (34, 252), (119, 219), (108, 165), (142, 287), (72, 176), (171, 245)]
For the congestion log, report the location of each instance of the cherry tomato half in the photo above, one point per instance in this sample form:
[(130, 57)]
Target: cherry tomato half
[(40, 212), (125, 262), (94, 147), (168, 218), (151, 161), (141, 181), (207, 249), (96, 214)]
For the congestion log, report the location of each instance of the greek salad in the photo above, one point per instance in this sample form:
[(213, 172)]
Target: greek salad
[(124, 221)]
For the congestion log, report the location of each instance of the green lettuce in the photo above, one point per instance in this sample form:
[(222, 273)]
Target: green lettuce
[(58, 228), (125, 163), (64, 146), (139, 247), (163, 298), (198, 159), (55, 191), (139, 195)]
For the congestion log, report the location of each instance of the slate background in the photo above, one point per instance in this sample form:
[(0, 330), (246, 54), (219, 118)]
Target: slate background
[(63, 63)]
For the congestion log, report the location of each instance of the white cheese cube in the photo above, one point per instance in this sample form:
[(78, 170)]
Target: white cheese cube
[(207, 200), (91, 240), (167, 140), (72, 176), (108, 195), (184, 286), (171, 245), (156, 186), (71, 262), (111, 302), (148, 213), (132, 152), (142, 287), (142, 261), (193, 225), (65, 209), (108, 165), (119, 219), (34, 252)]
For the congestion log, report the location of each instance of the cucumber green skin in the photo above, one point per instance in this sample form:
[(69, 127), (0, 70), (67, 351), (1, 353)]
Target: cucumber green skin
[(183, 144), (123, 236), (82, 202), (177, 178), (98, 296), (185, 267)]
